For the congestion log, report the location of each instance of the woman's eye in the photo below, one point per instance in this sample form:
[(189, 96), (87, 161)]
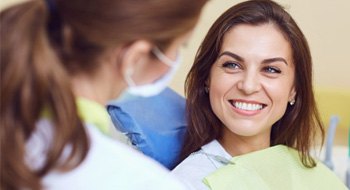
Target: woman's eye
[(272, 70), (230, 65)]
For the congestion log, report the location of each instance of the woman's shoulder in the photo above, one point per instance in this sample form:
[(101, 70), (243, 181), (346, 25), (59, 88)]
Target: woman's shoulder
[(281, 160), (194, 162), (193, 169), (199, 164), (333, 181), (202, 159)]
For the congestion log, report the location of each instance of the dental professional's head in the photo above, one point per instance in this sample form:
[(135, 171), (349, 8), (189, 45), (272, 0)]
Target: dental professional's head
[(129, 37), (55, 50), (254, 62)]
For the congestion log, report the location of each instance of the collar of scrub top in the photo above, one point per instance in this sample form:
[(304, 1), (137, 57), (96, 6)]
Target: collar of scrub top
[(94, 113), (217, 158), (215, 152), (272, 168)]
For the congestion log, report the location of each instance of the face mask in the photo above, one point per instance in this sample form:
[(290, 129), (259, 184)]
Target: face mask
[(157, 86)]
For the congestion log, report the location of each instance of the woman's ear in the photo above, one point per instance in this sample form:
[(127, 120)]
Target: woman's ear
[(207, 83), (134, 56), (292, 94)]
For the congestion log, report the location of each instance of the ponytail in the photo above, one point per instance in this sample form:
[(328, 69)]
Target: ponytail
[(33, 80)]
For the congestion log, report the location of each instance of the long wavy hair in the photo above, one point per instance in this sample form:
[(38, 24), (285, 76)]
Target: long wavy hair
[(42, 44), (299, 125)]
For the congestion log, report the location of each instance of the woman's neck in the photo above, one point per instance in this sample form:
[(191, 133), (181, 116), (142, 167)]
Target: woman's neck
[(238, 145), (85, 87), (100, 88)]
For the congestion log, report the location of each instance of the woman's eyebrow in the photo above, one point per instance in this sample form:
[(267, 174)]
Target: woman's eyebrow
[(265, 61), (235, 56), (275, 59)]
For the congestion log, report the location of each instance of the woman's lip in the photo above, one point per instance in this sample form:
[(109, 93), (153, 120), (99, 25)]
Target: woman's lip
[(246, 101)]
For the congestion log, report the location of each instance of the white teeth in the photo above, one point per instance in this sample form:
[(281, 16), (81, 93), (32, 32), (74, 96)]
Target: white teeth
[(247, 106)]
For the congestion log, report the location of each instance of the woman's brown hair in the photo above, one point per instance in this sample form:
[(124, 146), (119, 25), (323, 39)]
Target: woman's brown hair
[(300, 123), (42, 45)]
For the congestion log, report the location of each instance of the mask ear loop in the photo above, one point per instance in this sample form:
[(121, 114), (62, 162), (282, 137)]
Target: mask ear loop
[(127, 77), (160, 55), (129, 71)]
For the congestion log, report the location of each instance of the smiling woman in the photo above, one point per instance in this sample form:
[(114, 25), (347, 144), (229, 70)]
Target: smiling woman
[(250, 88), (250, 105)]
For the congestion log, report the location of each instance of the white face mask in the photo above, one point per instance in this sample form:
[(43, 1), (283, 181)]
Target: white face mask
[(157, 86)]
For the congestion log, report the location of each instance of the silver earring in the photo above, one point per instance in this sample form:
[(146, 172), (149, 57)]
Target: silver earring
[(292, 102), (206, 89)]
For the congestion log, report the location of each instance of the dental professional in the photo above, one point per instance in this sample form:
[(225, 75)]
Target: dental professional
[(61, 61), (252, 116)]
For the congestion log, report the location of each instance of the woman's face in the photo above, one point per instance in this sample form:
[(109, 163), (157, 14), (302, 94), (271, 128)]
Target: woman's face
[(251, 81)]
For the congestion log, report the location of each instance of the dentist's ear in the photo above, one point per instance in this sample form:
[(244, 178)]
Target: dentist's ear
[(134, 56)]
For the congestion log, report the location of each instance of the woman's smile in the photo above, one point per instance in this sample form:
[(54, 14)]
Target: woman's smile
[(245, 107)]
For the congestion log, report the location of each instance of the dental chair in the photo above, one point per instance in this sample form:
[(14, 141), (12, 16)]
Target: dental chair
[(334, 107)]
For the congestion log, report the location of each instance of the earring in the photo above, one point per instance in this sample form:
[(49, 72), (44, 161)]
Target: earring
[(292, 102), (206, 89)]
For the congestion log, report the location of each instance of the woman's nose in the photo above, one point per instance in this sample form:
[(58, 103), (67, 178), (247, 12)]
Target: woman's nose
[(249, 83)]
